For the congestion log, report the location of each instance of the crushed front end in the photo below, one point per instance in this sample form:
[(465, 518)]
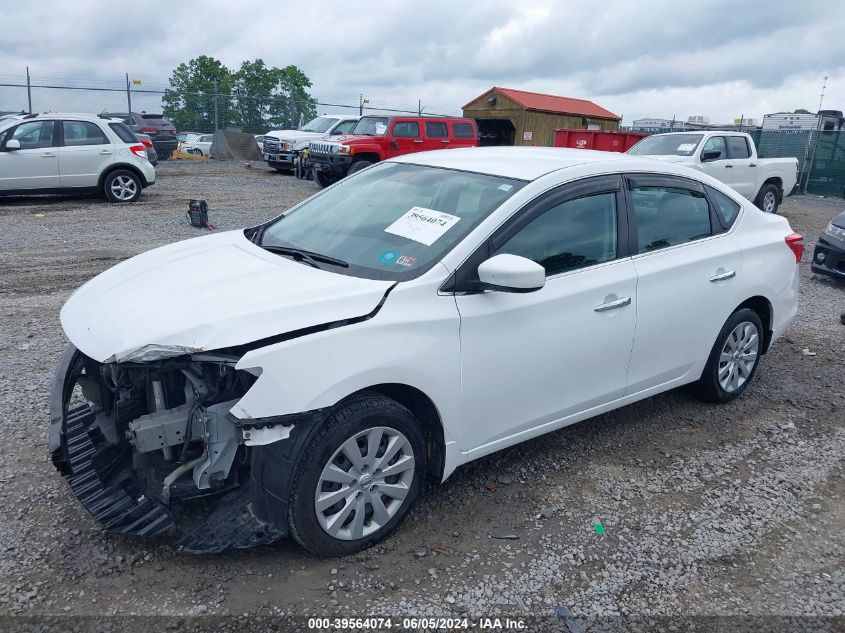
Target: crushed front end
[(150, 447)]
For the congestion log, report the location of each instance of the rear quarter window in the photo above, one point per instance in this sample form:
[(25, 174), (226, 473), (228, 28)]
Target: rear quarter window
[(463, 130), (726, 208), (123, 132)]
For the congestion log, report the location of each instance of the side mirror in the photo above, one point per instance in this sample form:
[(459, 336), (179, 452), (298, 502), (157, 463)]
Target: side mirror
[(394, 144), (12, 144), (710, 154), (511, 273)]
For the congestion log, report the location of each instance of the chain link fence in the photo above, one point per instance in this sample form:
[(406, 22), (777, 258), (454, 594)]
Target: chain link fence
[(191, 112)]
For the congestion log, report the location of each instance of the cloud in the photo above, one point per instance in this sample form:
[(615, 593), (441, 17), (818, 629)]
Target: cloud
[(658, 58)]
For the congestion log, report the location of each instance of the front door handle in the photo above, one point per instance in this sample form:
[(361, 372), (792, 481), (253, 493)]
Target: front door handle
[(729, 166), (612, 305), (752, 164), (48, 155), (417, 140), (105, 152), (728, 274)]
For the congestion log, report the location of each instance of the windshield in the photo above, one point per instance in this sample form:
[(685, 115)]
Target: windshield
[(320, 124), (393, 221), (667, 145), (371, 126)]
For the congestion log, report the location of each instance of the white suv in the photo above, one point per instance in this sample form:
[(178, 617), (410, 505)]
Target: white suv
[(62, 153)]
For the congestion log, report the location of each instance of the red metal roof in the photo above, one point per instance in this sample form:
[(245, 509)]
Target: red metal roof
[(551, 103)]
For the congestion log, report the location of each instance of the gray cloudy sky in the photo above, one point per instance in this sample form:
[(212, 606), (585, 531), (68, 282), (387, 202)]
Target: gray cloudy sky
[(646, 58)]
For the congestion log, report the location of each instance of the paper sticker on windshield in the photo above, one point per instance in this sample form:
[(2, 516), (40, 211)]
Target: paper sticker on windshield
[(380, 128), (505, 187), (423, 225), (686, 147)]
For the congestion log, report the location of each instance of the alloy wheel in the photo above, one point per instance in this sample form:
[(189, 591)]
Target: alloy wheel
[(123, 187), (769, 202), (739, 356), (365, 483)]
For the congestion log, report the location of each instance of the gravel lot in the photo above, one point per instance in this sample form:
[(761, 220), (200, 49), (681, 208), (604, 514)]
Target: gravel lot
[(708, 510)]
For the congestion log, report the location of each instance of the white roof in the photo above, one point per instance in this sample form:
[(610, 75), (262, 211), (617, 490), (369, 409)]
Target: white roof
[(524, 163)]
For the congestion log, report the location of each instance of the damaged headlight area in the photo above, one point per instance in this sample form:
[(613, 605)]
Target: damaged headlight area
[(147, 445)]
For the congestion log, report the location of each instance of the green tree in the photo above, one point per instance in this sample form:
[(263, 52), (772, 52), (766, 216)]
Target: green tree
[(195, 89), (270, 97), (256, 98), (801, 111)]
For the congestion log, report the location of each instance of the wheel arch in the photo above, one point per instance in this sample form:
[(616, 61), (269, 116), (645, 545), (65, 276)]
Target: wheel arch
[(122, 166), (424, 409), (778, 183), (763, 307), (370, 156)]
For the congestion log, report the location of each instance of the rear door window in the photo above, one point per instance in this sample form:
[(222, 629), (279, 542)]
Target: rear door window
[(435, 129), (738, 147), (83, 133), (463, 130), (668, 216)]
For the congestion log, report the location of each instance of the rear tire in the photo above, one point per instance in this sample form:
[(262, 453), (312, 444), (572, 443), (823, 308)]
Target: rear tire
[(768, 199), (366, 504), (733, 359), (358, 166), (122, 185)]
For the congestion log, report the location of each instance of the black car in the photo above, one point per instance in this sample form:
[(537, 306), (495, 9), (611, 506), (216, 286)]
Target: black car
[(829, 254), (160, 130)]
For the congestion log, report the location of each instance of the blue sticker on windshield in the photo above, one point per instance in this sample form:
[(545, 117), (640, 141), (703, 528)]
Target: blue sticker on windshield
[(388, 256)]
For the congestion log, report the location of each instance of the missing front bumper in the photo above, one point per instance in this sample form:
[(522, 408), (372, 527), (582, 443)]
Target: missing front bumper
[(100, 467)]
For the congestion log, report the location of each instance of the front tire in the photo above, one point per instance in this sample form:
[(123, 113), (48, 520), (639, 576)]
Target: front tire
[(733, 359), (768, 199), (358, 165), (363, 472), (122, 185)]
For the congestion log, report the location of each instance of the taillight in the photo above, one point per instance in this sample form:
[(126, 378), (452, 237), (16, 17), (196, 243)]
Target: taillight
[(139, 150), (148, 130), (795, 242), (147, 142)]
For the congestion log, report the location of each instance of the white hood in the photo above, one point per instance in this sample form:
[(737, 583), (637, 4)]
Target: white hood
[(295, 135), (208, 293)]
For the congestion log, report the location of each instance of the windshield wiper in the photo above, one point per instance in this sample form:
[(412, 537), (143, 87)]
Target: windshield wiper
[(310, 257)]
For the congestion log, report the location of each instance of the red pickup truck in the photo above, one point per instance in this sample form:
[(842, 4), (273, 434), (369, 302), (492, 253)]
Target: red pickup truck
[(377, 138)]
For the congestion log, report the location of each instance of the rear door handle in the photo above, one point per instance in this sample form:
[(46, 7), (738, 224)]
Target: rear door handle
[(752, 164), (105, 152), (48, 155), (729, 166), (417, 140), (444, 140), (728, 274), (612, 305)]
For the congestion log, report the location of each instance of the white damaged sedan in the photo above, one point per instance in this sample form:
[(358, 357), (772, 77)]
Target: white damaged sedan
[(303, 377)]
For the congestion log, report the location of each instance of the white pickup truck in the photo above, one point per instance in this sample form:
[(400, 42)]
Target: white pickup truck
[(730, 157)]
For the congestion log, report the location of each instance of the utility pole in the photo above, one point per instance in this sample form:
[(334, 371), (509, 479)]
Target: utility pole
[(215, 105), (361, 104), (419, 107), (128, 96), (816, 140), (28, 90)]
